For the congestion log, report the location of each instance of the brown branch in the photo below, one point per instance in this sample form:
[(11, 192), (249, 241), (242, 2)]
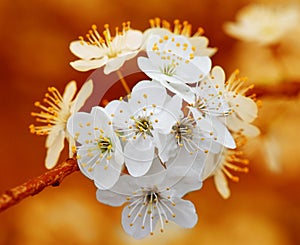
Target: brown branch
[(287, 89), (32, 187)]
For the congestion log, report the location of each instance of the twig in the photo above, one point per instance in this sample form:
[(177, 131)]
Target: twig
[(32, 187)]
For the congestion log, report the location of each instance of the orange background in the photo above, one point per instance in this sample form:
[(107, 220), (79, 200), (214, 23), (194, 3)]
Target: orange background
[(34, 54)]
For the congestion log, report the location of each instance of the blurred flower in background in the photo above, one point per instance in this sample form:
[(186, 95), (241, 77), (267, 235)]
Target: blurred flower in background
[(271, 31)]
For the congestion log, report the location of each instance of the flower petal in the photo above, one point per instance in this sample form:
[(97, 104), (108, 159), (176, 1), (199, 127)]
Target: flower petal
[(133, 39), (185, 212), (221, 184), (54, 150), (114, 64), (106, 173), (137, 160), (69, 92), (86, 65), (85, 51), (181, 89), (81, 128), (236, 124), (83, 94), (134, 228), (110, 198), (245, 107)]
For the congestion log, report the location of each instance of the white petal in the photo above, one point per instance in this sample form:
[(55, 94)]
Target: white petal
[(181, 89), (218, 76), (101, 120), (223, 135), (133, 39), (80, 126), (222, 184), (185, 212), (245, 107), (83, 94), (88, 157), (211, 163), (183, 180), (168, 115), (137, 160), (145, 94), (69, 92), (106, 174), (114, 64), (154, 31), (110, 198), (236, 124), (195, 70), (85, 51), (136, 230), (166, 146), (86, 65), (112, 106), (54, 150), (201, 43), (52, 136)]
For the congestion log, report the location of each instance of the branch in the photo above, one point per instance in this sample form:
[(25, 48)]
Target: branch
[(288, 89), (32, 187)]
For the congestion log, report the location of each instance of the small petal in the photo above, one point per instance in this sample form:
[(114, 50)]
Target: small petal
[(85, 51), (69, 92), (138, 161), (133, 39), (221, 184), (114, 64), (106, 173), (84, 93), (185, 212), (86, 65), (54, 150)]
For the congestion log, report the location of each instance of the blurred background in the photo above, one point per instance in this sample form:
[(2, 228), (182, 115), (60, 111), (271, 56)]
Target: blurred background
[(264, 207)]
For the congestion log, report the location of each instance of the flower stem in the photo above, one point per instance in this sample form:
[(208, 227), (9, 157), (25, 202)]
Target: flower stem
[(124, 83), (34, 186)]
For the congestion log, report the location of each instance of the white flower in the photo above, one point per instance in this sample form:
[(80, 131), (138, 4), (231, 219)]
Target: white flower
[(265, 24), (154, 199), (148, 112), (172, 62), (187, 135), (109, 51), (99, 154), (243, 108), (210, 106), (163, 28), (220, 165), (55, 115)]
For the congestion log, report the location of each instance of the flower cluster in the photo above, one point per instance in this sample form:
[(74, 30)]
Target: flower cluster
[(162, 140)]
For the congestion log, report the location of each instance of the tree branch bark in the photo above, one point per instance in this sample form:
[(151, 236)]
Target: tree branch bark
[(32, 187)]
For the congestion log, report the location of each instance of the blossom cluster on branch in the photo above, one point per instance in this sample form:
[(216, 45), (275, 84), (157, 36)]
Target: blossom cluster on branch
[(162, 139)]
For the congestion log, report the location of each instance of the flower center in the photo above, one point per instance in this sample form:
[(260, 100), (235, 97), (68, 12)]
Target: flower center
[(143, 125), (147, 204), (106, 41), (55, 112), (183, 130), (169, 69), (105, 145)]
